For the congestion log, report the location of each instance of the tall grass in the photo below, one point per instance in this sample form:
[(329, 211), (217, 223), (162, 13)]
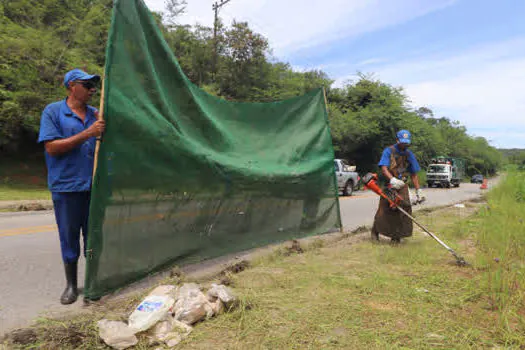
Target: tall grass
[(501, 243)]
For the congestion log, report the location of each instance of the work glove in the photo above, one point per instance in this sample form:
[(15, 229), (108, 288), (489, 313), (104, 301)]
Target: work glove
[(396, 183), (420, 196)]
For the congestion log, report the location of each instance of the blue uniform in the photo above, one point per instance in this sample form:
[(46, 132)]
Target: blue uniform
[(69, 174), (413, 165)]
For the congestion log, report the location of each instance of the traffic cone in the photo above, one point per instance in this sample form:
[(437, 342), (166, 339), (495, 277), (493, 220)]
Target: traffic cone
[(484, 185)]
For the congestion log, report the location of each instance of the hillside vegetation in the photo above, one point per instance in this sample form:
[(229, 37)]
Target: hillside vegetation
[(42, 39)]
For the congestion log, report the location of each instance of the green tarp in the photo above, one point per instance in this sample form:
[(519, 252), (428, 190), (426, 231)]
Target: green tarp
[(184, 176)]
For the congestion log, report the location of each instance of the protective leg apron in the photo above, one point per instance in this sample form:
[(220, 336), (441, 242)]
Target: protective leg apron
[(391, 222)]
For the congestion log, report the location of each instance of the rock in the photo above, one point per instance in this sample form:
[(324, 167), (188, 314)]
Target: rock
[(217, 307), (191, 305), (116, 334), (170, 331), (223, 293)]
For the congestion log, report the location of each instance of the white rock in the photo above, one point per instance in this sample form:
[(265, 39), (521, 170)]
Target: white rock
[(116, 334), (191, 305), (223, 293), (217, 306)]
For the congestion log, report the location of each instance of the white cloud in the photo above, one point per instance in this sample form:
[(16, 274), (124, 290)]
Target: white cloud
[(371, 61), (482, 88), (294, 24)]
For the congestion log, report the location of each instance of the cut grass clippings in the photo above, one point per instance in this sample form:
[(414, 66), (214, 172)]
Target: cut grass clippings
[(356, 294)]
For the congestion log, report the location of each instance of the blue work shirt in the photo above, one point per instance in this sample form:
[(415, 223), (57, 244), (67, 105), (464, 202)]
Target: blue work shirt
[(71, 171), (413, 165)]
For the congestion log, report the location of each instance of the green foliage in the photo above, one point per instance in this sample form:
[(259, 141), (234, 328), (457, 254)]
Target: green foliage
[(41, 40), (515, 157), (366, 115), (501, 240)]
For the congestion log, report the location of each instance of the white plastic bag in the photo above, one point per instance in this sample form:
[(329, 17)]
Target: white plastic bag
[(150, 311), (116, 334)]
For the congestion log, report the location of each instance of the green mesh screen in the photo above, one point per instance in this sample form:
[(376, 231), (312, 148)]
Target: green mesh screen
[(184, 176)]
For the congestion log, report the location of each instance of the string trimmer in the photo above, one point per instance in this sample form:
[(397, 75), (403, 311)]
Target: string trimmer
[(370, 182)]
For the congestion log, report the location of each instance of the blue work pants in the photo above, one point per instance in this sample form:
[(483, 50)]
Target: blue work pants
[(71, 214)]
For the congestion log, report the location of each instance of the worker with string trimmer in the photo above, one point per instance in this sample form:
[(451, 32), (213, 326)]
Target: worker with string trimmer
[(397, 162)]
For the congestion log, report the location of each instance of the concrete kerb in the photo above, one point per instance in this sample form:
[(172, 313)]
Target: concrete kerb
[(26, 205)]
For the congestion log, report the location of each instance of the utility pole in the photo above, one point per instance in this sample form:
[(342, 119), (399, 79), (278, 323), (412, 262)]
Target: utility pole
[(216, 6)]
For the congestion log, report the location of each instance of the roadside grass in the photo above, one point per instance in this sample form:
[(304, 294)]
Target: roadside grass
[(357, 294), (23, 180), (13, 192)]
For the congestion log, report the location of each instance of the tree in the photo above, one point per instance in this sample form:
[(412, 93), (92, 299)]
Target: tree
[(424, 112), (243, 66), (174, 9), (42, 39)]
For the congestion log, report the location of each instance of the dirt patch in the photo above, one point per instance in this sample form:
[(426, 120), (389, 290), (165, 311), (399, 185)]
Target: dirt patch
[(26, 205), (21, 337), (481, 199), (294, 249), (61, 334), (225, 276), (69, 336), (238, 267), (31, 207)]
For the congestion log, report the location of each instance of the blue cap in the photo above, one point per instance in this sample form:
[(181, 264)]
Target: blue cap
[(404, 136), (78, 74)]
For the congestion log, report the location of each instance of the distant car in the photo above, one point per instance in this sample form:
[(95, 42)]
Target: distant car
[(477, 179), (347, 178)]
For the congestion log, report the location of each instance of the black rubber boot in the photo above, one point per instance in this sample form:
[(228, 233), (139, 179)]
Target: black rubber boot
[(396, 240), (70, 294), (374, 236)]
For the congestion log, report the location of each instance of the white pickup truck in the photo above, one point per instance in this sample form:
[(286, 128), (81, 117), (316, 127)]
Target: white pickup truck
[(346, 175)]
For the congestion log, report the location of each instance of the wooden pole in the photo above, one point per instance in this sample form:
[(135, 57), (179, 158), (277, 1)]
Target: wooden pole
[(100, 117)]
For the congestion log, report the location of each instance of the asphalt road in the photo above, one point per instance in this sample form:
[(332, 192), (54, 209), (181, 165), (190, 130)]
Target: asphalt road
[(31, 274)]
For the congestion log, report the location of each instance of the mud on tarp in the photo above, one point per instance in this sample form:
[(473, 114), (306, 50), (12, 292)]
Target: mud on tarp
[(184, 176)]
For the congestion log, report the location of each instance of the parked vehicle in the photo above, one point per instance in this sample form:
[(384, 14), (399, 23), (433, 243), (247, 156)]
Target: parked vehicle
[(477, 179), (445, 172), (347, 177)]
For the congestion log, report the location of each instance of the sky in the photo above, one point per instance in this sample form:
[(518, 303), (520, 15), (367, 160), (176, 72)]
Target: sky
[(464, 59)]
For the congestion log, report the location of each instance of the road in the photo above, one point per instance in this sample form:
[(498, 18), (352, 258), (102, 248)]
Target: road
[(31, 274)]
